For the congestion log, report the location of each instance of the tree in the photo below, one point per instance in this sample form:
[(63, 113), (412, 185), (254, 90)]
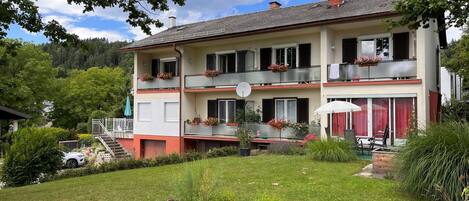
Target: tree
[(25, 13), (87, 91), (27, 80), (35, 151), (416, 13), (456, 57)]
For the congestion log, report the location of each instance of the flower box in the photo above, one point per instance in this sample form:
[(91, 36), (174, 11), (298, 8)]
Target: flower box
[(276, 68), (211, 121), (366, 61), (211, 73), (146, 77), (232, 124), (277, 124), (165, 76)]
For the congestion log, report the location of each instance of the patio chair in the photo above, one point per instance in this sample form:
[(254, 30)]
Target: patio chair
[(380, 140), (351, 136)]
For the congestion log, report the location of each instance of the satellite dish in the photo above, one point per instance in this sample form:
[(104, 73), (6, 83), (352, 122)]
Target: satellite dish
[(243, 89)]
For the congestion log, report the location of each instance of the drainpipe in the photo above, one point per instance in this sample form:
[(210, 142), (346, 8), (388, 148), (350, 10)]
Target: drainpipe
[(180, 97)]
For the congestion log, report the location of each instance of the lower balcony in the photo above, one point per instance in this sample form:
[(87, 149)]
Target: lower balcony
[(158, 84), (292, 76), (386, 70), (261, 130)]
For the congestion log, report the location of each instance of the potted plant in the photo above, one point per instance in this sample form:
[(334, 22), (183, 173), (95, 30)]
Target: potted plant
[(165, 76), (278, 68), (277, 124), (300, 129), (211, 73), (366, 61), (196, 121), (245, 136), (232, 123), (146, 77), (211, 121)]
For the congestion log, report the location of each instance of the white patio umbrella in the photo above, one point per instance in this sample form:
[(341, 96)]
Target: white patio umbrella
[(337, 107)]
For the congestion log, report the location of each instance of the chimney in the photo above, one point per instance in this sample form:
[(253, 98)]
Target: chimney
[(336, 3), (172, 21), (274, 5)]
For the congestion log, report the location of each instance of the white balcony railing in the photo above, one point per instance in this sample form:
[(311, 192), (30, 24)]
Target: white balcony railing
[(114, 127), (406, 69), (158, 84)]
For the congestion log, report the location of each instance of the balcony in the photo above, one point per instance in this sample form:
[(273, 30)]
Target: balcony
[(262, 131), (386, 70), (296, 75), (158, 84)]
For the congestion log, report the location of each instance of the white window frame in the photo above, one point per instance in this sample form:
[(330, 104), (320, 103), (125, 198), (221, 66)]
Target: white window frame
[(285, 47), (138, 110), (226, 109), (168, 59), (217, 61), (165, 112), (374, 37), (285, 107)]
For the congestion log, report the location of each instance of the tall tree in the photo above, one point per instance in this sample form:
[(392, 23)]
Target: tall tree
[(456, 57), (83, 92)]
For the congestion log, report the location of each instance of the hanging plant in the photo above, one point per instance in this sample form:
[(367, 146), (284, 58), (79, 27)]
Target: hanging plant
[(211, 73), (366, 61), (277, 124), (278, 68), (165, 76), (211, 121), (146, 77)]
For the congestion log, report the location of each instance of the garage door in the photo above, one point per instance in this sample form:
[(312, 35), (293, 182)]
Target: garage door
[(153, 148)]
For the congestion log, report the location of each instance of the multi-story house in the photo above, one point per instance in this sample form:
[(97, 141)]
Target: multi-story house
[(319, 42)]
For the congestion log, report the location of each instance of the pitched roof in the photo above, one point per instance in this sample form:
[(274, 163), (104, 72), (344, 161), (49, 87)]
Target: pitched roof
[(313, 13)]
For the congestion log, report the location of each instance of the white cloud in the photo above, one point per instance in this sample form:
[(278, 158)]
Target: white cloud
[(453, 34)]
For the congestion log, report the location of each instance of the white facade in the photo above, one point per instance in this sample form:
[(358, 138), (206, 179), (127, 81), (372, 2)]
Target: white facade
[(451, 85), (156, 115)]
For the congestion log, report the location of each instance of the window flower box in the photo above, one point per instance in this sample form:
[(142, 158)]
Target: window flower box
[(211, 73), (232, 124), (165, 76), (366, 61), (278, 68), (277, 124), (211, 121), (146, 77)]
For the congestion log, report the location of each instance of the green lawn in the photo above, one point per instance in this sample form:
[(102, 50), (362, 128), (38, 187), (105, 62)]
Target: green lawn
[(298, 178)]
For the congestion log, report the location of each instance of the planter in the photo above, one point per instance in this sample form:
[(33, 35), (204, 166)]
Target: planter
[(275, 68), (165, 76), (211, 73), (232, 124), (383, 160), (244, 151), (366, 61)]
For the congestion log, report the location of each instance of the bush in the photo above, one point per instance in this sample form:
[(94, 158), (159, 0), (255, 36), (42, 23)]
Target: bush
[(60, 134), (222, 151), (193, 156), (34, 151), (432, 162), (332, 150), (82, 127), (85, 140), (454, 111), (284, 148), (245, 136)]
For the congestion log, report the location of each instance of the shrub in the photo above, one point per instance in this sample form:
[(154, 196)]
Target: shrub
[(85, 140), (286, 149), (245, 136), (34, 151), (222, 151), (82, 127), (193, 156), (454, 111), (432, 162), (332, 150), (59, 134)]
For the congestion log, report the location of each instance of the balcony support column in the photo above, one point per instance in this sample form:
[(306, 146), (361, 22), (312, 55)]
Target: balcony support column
[(327, 57)]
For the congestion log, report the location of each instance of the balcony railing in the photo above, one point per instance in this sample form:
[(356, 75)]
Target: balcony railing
[(262, 131), (293, 75), (406, 69), (158, 84), (114, 127)]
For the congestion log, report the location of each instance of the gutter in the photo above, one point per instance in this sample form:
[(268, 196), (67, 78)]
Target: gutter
[(268, 30), (180, 98)]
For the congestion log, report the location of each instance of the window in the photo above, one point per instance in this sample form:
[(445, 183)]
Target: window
[(285, 109), (211, 62), (286, 56), (171, 112), (227, 63), (226, 111), (144, 111), (375, 47), (170, 67), (245, 60)]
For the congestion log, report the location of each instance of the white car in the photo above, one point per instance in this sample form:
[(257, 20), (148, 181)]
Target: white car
[(73, 159)]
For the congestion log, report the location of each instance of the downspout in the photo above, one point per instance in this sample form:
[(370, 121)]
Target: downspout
[(180, 98)]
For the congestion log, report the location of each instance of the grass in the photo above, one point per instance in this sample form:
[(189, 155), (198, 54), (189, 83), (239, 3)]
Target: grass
[(298, 178)]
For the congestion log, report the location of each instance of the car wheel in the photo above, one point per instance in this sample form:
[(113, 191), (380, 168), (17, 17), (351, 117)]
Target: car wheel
[(72, 163)]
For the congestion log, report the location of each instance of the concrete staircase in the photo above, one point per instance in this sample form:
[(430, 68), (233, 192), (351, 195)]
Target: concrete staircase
[(112, 146)]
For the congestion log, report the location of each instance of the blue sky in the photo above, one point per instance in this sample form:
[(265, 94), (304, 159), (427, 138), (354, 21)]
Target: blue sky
[(110, 23)]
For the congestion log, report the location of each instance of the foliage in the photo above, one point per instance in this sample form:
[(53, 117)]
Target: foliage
[(301, 129), (278, 68), (82, 127), (251, 116), (87, 91), (211, 121), (146, 77), (222, 151), (93, 52), (331, 150), (277, 124), (85, 140), (432, 162), (454, 111), (245, 137), (198, 184), (33, 152), (456, 56), (285, 148), (211, 73), (416, 13), (26, 14), (28, 80), (165, 75), (59, 134), (368, 61)]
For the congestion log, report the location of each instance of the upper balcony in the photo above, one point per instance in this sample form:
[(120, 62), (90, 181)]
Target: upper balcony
[(158, 83), (302, 75)]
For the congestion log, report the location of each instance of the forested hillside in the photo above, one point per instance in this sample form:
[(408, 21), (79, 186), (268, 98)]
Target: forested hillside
[(93, 52)]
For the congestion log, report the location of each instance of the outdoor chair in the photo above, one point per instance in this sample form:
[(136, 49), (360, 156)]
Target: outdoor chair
[(351, 136), (380, 140)]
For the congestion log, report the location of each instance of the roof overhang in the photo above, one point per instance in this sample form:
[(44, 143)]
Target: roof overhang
[(11, 114)]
